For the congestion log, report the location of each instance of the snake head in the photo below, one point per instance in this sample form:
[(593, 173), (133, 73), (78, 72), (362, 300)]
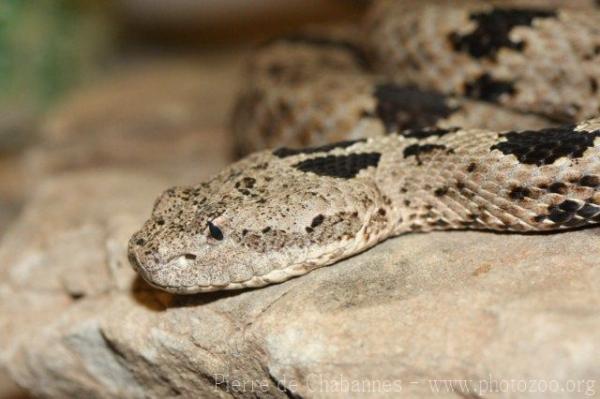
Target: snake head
[(249, 228)]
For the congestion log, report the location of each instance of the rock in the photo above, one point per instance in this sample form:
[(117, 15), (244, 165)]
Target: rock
[(8, 390), (413, 312), (67, 247), (164, 117)]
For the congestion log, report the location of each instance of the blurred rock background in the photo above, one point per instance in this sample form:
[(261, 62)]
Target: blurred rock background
[(126, 85)]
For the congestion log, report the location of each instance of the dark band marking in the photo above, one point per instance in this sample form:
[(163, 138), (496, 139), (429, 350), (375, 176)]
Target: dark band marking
[(441, 191), (417, 149), (566, 213), (489, 89), (438, 223), (518, 193), (588, 211), (571, 213), (559, 216), (284, 152), (558, 188), (342, 166), (408, 107), (589, 181), (545, 146), (493, 31), (569, 206)]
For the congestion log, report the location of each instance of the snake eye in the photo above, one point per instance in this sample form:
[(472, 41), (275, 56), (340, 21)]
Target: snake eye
[(215, 232)]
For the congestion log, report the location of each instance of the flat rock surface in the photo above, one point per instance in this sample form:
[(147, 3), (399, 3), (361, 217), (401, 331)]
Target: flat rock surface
[(413, 312)]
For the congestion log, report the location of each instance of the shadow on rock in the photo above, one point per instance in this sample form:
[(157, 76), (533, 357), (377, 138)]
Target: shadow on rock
[(157, 300)]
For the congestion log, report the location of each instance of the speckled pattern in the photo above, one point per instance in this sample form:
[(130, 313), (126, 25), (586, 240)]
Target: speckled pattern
[(267, 218), (298, 93), (543, 60), (411, 159)]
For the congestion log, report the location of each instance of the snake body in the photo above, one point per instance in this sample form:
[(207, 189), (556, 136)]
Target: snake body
[(449, 116)]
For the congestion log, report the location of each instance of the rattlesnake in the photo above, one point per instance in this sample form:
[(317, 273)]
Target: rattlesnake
[(492, 143)]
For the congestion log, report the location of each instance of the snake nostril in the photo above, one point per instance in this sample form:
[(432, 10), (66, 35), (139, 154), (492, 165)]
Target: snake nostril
[(190, 256)]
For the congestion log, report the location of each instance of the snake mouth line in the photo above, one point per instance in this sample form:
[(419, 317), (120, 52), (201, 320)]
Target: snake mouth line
[(274, 276)]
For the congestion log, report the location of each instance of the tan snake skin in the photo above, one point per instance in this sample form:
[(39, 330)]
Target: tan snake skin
[(411, 160)]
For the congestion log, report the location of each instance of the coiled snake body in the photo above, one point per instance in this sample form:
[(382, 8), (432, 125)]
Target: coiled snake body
[(492, 143)]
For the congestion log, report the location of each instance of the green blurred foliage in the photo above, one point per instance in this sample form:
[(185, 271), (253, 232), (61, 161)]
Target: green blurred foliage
[(47, 46)]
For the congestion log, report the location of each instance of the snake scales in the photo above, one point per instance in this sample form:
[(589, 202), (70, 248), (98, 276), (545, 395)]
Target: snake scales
[(443, 115)]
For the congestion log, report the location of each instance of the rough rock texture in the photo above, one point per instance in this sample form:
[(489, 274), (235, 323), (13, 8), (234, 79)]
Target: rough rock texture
[(76, 321)]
